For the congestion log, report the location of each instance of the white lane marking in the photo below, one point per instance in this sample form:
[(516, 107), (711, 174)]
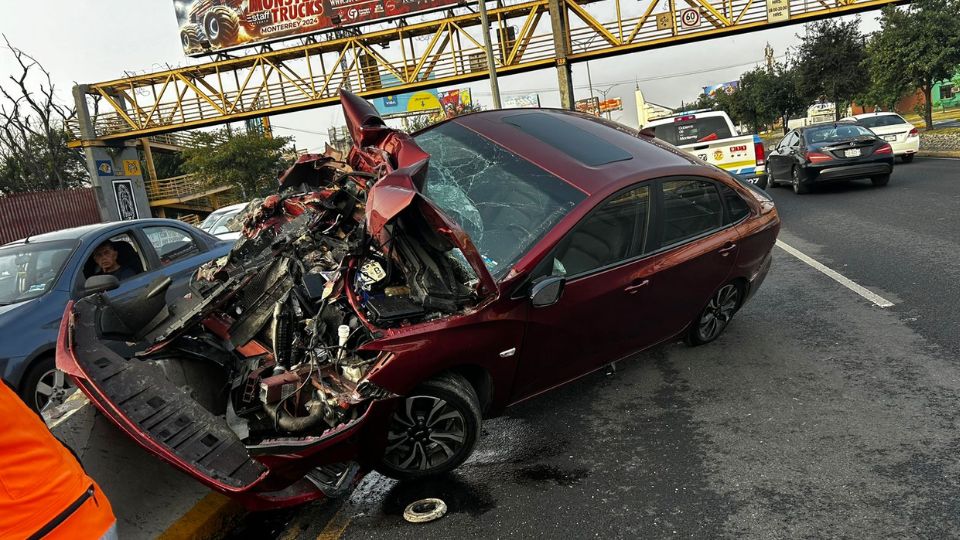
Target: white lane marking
[(72, 411), (836, 276)]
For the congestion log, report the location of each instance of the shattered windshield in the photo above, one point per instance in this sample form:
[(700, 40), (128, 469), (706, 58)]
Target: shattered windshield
[(505, 203)]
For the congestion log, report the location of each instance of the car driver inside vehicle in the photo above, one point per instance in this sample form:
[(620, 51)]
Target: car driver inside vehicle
[(106, 256)]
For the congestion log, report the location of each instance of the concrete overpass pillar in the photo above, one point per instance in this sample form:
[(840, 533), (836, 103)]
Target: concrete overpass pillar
[(114, 170)]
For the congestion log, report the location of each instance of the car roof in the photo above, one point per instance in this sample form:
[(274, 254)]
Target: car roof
[(607, 153), (878, 113), (86, 231)]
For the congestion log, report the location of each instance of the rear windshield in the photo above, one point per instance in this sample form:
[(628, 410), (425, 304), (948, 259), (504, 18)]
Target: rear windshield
[(699, 129), (829, 134), (881, 121)]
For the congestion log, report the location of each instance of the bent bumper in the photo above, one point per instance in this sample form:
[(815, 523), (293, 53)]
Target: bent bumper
[(165, 421)]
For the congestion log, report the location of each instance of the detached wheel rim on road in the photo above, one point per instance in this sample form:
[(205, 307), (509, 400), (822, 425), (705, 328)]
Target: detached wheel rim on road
[(718, 312), (424, 434), (52, 389)]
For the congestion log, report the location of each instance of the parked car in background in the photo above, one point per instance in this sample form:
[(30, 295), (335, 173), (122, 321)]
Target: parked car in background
[(373, 312), (40, 274), (224, 223), (834, 152), (712, 137), (892, 128)]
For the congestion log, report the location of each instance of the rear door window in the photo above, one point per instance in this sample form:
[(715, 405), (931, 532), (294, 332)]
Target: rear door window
[(737, 208), (698, 129), (171, 243), (690, 208)]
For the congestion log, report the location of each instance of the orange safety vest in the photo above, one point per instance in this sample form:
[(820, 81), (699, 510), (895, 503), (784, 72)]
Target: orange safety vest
[(44, 492)]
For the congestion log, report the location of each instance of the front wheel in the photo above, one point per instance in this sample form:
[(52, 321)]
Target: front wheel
[(906, 158), (715, 316), (881, 180), (434, 429), (45, 385)]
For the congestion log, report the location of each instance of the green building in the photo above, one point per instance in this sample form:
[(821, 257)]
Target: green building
[(946, 93)]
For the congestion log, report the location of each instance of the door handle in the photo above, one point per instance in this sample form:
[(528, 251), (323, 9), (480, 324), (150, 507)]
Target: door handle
[(634, 288), (727, 248)]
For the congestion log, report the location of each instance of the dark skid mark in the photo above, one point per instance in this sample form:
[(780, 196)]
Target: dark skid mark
[(459, 496), (538, 474)]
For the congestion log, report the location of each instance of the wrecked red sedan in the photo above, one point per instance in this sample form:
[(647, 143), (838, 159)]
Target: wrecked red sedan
[(380, 305)]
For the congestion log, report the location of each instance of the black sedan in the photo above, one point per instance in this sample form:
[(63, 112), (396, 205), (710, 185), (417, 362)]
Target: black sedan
[(829, 153)]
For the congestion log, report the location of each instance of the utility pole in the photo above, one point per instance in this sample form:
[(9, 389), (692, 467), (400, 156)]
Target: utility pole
[(491, 68), (589, 78), (561, 49)]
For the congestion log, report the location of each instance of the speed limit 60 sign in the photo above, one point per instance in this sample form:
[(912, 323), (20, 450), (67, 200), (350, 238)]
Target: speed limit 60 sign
[(689, 18)]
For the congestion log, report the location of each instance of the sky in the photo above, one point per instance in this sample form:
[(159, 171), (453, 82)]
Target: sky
[(86, 41)]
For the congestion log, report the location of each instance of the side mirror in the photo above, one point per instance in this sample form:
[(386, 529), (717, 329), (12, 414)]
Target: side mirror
[(99, 284), (547, 291)]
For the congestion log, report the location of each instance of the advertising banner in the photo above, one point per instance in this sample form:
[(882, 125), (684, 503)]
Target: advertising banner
[(213, 25), (588, 106), (610, 105), (726, 88), (454, 102), (521, 101)]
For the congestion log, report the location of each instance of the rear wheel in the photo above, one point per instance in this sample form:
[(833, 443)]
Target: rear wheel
[(715, 316), (763, 181), (45, 385), (881, 180), (906, 158), (434, 429), (798, 187)]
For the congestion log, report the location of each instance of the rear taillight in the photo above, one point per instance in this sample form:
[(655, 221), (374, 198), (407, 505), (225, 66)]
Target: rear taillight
[(758, 150), (885, 149), (913, 133), (817, 157)]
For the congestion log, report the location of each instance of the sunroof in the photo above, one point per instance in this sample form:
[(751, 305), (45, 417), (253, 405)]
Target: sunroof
[(577, 143)]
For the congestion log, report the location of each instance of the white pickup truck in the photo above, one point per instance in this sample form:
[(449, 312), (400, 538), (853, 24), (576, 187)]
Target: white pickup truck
[(711, 136)]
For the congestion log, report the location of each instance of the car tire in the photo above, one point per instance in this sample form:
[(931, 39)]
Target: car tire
[(433, 430), (771, 181), (716, 315), (44, 382), (906, 158), (880, 181), (798, 187), (764, 182)]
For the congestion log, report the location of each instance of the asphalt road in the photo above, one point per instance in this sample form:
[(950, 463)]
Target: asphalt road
[(817, 414)]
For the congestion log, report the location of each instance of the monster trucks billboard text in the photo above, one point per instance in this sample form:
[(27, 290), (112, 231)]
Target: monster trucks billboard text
[(213, 25)]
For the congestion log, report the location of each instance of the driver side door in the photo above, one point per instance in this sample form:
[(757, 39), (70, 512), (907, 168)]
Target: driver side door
[(602, 311)]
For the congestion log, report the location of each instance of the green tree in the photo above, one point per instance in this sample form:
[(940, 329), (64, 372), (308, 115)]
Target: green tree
[(917, 45), (250, 162), (832, 53)]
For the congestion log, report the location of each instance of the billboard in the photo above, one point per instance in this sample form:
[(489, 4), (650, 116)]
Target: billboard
[(610, 105), (455, 102), (421, 101), (521, 101), (213, 25), (727, 88), (588, 106)]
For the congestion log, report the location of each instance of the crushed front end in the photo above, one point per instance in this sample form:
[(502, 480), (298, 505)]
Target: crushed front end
[(256, 381)]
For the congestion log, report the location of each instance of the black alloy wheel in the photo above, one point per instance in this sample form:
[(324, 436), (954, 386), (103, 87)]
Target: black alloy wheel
[(881, 180), (715, 316), (433, 430), (798, 187)]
